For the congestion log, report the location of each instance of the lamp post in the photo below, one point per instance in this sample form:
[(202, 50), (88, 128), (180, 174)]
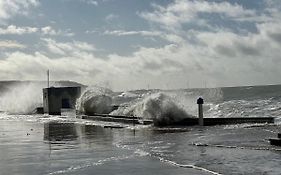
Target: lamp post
[(200, 103)]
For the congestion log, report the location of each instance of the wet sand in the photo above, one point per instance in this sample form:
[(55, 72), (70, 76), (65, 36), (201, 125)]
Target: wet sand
[(55, 147)]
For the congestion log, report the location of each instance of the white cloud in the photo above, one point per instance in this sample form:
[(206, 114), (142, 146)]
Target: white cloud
[(9, 44), (67, 48), (111, 17), (220, 57), (184, 11), (84, 46), (91, 31), (127, 33), (90, 2), (173, 38), (84, 68), (10, 8), (48, 30), (11, 29)]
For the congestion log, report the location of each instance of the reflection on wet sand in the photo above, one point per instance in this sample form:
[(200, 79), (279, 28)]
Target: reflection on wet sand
[(55, 132), (60, 131)]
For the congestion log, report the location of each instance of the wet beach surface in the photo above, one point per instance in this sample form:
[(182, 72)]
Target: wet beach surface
[(56, 147)]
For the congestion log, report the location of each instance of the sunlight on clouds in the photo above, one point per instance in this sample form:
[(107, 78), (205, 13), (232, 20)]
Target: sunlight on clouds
[(67, 47), (191, 46), (10, 8), (11, 29), (8, 44), (127, 33), (111, 17), (91, 2), (48, 30), (184, 11)]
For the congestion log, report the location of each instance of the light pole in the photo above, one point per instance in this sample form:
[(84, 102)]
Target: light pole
[(200, 103)]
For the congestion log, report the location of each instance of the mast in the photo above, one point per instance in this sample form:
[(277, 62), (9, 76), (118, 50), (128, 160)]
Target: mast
[(48, 78)]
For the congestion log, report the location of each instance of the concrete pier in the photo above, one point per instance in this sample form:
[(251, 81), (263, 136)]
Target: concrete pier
[(184, 122), (116, 118), (224, 121), (276, 141)]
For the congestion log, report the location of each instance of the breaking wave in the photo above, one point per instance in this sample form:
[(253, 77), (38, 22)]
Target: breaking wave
[(159, 107), (95, 100), (162, 108), (21, 99), (269, 107)]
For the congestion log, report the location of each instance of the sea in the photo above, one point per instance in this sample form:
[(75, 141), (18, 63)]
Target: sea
[(66, 144)]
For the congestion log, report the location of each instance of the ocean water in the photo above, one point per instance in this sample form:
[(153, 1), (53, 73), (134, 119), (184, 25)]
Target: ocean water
[(43, 144)]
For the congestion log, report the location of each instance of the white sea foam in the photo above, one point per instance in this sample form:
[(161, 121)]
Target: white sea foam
[(21, 99), (245, 108), (95, 100), (159, 107)]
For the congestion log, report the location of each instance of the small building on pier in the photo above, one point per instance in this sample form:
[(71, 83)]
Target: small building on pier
[(56, 98)]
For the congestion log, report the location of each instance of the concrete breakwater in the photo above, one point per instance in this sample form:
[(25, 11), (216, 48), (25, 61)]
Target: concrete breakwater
[(225, 121), (116, 118), (184, 122)]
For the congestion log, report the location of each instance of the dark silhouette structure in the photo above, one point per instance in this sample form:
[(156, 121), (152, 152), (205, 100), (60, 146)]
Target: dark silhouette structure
[(55, 98), (277, 141)]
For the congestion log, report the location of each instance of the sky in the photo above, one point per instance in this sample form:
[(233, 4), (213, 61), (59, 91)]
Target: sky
[(133, 44)]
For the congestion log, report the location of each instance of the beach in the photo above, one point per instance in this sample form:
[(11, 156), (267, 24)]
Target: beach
[(54, 145)]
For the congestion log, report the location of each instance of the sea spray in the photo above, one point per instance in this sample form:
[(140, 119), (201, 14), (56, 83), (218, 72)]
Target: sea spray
[(95, 100), (21, 98), (159, 107), (269, 107), (163, 107)]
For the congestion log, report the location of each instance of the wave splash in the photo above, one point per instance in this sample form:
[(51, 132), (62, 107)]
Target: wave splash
[(95, 100), (162, 108), (159, 107), (21, 99)]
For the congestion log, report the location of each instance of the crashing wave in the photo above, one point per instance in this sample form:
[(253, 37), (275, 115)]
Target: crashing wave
[(95, 100), (21, 99), (159, 107)]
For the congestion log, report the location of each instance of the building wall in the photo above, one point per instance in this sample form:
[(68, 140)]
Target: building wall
[(45, 101), (53, 98)]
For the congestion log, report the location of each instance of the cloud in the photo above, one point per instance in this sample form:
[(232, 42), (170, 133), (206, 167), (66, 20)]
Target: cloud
[(11, 29), (19, 65), (128, 33), (9, 44), (67, 48), (111, 17), (185, 11), (172, 38), (77, 61), (91, 31), (88, 2), (48, 30), (92, 2), (223, 56), (10, 8)]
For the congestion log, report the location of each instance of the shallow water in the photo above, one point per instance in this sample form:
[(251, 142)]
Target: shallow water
[(66, 145)]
